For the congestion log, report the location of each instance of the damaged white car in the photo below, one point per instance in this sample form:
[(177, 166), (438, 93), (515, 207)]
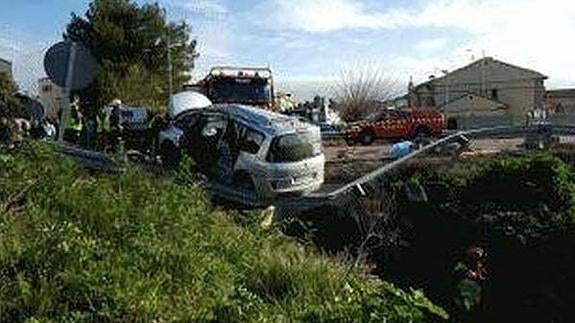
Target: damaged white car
[(246, 147)]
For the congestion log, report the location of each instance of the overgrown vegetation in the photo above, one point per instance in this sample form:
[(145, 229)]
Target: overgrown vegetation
[(520, 210), (130, 247)]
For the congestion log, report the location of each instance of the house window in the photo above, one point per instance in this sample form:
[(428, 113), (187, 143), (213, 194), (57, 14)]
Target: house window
[(494, 94)]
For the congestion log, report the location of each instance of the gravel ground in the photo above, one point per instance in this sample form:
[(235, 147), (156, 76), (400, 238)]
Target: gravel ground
[(344, 163)]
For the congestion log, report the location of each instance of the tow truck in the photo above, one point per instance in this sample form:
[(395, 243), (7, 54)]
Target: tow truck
[(395, 124), (238, 85)]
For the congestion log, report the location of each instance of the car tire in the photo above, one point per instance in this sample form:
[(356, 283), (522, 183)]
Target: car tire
[(171, 156), (244, 182), (366, 138), (421, 134)]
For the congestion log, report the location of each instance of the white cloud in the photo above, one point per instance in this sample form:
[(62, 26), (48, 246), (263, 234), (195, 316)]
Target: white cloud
[(529, 33), (26, 55), (202, 6), (320, 15), (431, 44)]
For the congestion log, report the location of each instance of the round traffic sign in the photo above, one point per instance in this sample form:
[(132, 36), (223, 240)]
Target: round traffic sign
[(57, 62)]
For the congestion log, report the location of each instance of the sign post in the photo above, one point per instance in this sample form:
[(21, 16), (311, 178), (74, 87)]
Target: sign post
[(65, 103), (71, 66)]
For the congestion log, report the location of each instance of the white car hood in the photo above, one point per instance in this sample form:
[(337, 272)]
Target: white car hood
[(186, 101)]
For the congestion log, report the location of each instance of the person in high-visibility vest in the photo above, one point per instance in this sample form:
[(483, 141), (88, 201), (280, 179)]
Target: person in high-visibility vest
[(73, 123), (116, 126)]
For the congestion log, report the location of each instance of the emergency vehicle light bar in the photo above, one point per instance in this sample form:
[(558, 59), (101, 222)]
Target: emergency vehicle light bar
[(241, 72)]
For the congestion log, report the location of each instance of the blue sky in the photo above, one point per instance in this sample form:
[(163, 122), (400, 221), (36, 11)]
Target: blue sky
[(309, 42)]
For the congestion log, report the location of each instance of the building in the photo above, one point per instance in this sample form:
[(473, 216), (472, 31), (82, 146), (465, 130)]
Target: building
[(6, 67), (561, 104), (474, 111), (485, 89), (50, 96), (561, 101)]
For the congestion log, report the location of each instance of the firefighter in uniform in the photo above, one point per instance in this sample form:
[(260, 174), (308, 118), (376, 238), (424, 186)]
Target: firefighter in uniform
[(73, 123), (116, 127)]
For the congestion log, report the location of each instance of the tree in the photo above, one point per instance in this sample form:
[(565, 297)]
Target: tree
[(9, 104), (130, 43), (359, 90)]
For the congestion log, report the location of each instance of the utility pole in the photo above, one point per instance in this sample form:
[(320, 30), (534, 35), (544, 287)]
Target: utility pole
[(446, 73), (482, 90), (65, 103)]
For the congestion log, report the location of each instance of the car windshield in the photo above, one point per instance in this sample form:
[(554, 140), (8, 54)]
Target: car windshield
[(242, 90), (294, 148)]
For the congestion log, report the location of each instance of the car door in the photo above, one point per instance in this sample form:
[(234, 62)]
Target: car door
[(202, 140), (398, 124), (382, 128)]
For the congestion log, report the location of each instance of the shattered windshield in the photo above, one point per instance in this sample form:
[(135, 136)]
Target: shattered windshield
[(294, 148)]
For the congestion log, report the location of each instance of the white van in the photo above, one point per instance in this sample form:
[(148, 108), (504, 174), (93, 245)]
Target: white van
[(247, 147)]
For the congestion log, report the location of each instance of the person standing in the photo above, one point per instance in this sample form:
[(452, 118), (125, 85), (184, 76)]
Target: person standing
[(116, 126), (73, 123)]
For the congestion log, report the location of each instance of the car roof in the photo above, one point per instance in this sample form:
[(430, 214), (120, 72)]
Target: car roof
[(262, 120)]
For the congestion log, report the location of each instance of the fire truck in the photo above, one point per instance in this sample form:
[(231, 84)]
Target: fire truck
[(396, 125), (249, 86)]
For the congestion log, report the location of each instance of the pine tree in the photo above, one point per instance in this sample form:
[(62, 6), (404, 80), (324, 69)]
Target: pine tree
[(130, 45)]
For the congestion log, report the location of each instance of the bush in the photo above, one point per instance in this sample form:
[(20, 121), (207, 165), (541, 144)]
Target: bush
[(131, 247), (521, 211)]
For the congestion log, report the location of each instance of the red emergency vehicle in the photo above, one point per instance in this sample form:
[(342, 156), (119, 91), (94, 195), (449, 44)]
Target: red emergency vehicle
[(396, 124)]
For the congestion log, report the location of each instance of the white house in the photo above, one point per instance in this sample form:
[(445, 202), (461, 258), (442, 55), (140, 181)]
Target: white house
[(486, 85)]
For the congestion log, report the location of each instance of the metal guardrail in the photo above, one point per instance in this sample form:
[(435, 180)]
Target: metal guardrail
[(100, 161), (460, 136)]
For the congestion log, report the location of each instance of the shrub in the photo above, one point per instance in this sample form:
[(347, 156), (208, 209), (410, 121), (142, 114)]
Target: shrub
[(521, 211), (132, 247)]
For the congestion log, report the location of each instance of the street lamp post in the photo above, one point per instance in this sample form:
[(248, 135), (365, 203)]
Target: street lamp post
[(169, 47), (170, 67), (169, 57)]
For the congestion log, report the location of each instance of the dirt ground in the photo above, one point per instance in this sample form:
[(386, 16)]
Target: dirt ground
[(345, 163)]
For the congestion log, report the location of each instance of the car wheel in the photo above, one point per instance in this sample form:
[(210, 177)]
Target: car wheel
[(244, 182), (366, 138), (421, 134), (170, 155)]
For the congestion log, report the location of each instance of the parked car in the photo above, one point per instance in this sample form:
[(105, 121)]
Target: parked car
[(396, 124), (247, 147)]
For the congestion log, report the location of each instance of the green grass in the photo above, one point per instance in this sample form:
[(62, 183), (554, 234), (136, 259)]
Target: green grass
[(134, 248)]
